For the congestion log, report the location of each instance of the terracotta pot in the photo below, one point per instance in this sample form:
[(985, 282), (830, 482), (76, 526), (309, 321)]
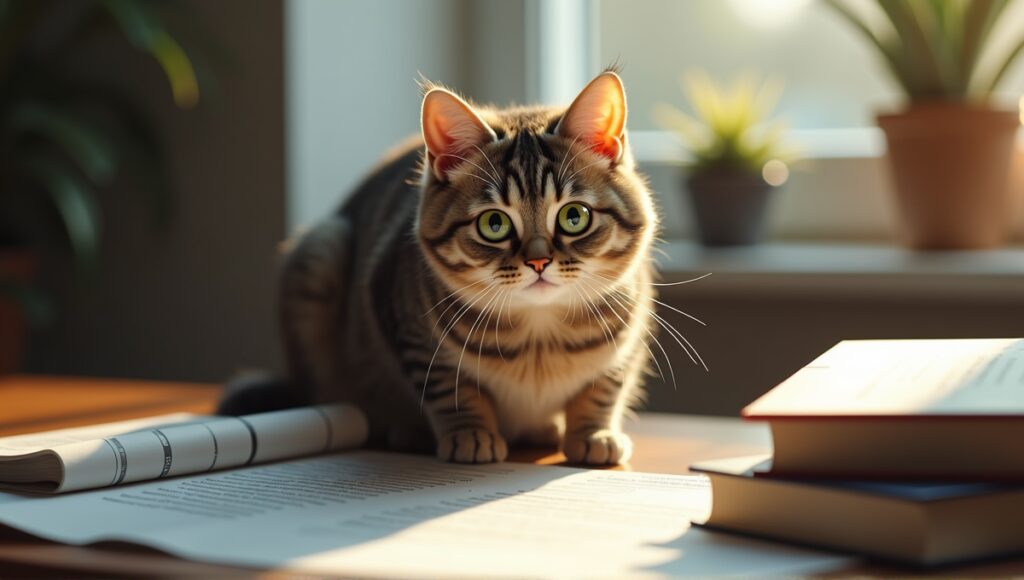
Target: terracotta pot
[(16, 267), (951, 165), (729, 206)]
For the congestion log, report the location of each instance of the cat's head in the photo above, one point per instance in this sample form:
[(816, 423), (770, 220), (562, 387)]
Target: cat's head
[(533, 205)]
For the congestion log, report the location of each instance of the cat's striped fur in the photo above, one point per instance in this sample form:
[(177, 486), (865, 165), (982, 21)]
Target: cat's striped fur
[(399, 303)]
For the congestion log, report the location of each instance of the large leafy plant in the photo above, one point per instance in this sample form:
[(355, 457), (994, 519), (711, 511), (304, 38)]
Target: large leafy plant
[(936, 49), (731, 128), (64, 135)]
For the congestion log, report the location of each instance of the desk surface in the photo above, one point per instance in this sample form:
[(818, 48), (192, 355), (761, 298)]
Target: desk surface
[(662, 443)]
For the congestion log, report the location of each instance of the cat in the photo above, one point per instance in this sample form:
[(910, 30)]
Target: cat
[(490, 282)]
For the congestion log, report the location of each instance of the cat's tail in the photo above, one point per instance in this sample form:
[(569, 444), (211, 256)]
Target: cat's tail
[(259, 392)]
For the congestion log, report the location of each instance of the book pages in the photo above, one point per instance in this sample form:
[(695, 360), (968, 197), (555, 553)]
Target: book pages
[(904, 377), (381, 514)]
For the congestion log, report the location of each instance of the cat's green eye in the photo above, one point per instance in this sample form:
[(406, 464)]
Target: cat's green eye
[(574, 218), (494, 225)]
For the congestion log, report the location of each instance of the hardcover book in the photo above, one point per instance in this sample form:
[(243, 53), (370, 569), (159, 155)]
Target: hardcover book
[(902, 409), (916, 523)]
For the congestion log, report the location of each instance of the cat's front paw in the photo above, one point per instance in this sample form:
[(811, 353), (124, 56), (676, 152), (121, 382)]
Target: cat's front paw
[(603, 447), (472, 446)]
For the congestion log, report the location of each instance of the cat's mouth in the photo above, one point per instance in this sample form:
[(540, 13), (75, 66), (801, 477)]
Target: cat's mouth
[(541, 284)]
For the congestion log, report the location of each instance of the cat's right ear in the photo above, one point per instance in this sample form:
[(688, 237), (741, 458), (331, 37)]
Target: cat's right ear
[(451, 130)]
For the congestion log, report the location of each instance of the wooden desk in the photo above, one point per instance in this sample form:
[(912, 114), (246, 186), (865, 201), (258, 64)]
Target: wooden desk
[(663, 444)]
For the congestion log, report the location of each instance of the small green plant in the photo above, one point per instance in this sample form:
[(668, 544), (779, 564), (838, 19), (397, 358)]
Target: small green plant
[(730, 129), (935, 49), (64, 134)]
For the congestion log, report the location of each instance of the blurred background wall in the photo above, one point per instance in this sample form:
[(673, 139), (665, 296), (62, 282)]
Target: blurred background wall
[(352, 70), (194, 302)]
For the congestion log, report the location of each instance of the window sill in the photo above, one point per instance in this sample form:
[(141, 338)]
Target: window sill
[(839, 190), (844, 270)]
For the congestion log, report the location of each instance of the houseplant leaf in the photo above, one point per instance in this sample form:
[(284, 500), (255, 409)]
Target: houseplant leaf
[(979, 18), (920, 53), (90, 148), (144, 29), (1007, 62), (890, 54), (75, 202), (140, 149)]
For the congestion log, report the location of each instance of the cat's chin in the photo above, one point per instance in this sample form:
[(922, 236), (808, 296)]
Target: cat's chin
[(542, 292)]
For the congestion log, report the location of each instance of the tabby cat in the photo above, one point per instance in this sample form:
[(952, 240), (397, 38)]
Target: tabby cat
[(488, 283)]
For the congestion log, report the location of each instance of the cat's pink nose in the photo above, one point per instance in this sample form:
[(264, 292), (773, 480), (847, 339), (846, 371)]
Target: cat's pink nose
[(539, 264)]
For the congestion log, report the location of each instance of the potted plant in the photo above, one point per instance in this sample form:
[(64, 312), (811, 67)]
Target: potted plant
[(950, 146), (738, 155), (64, 136)]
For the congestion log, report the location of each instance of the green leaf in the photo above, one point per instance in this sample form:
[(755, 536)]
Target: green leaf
[(139, 145), (981, 19), (942, 23), (83, 142), (75, 202), (729, 130), (144, 29), (977, 22), (689, 129), (920, 49), (1007, 61), (890, 55)]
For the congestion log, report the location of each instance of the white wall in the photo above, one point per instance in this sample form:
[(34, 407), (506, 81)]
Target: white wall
[(351, 93)]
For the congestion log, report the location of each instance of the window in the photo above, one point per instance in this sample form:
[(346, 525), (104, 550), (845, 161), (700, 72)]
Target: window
[(834, 85)]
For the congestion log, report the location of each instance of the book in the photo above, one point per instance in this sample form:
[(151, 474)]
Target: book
[(377, 514), (170, 445), (901, 409), (916, 523)]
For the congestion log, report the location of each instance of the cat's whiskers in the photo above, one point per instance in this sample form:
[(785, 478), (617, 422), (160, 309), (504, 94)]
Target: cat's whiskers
[(508, 313), (657, 246), (497, 323), (681, 282), (617, 315), (483, 337), (691, 280), (441, 301), (585, 167), (614, 296), (688, 348), (572, 302), (597, 315), (672, 308), (457, 316), (454, 302), (465, 343), (561, 167), (495, 173), (575, 307), (582, 309), (491, 181), (664, 353)]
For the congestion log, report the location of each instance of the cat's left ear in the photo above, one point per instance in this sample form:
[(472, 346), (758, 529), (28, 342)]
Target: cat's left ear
[(598, 116), (451, 130)]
